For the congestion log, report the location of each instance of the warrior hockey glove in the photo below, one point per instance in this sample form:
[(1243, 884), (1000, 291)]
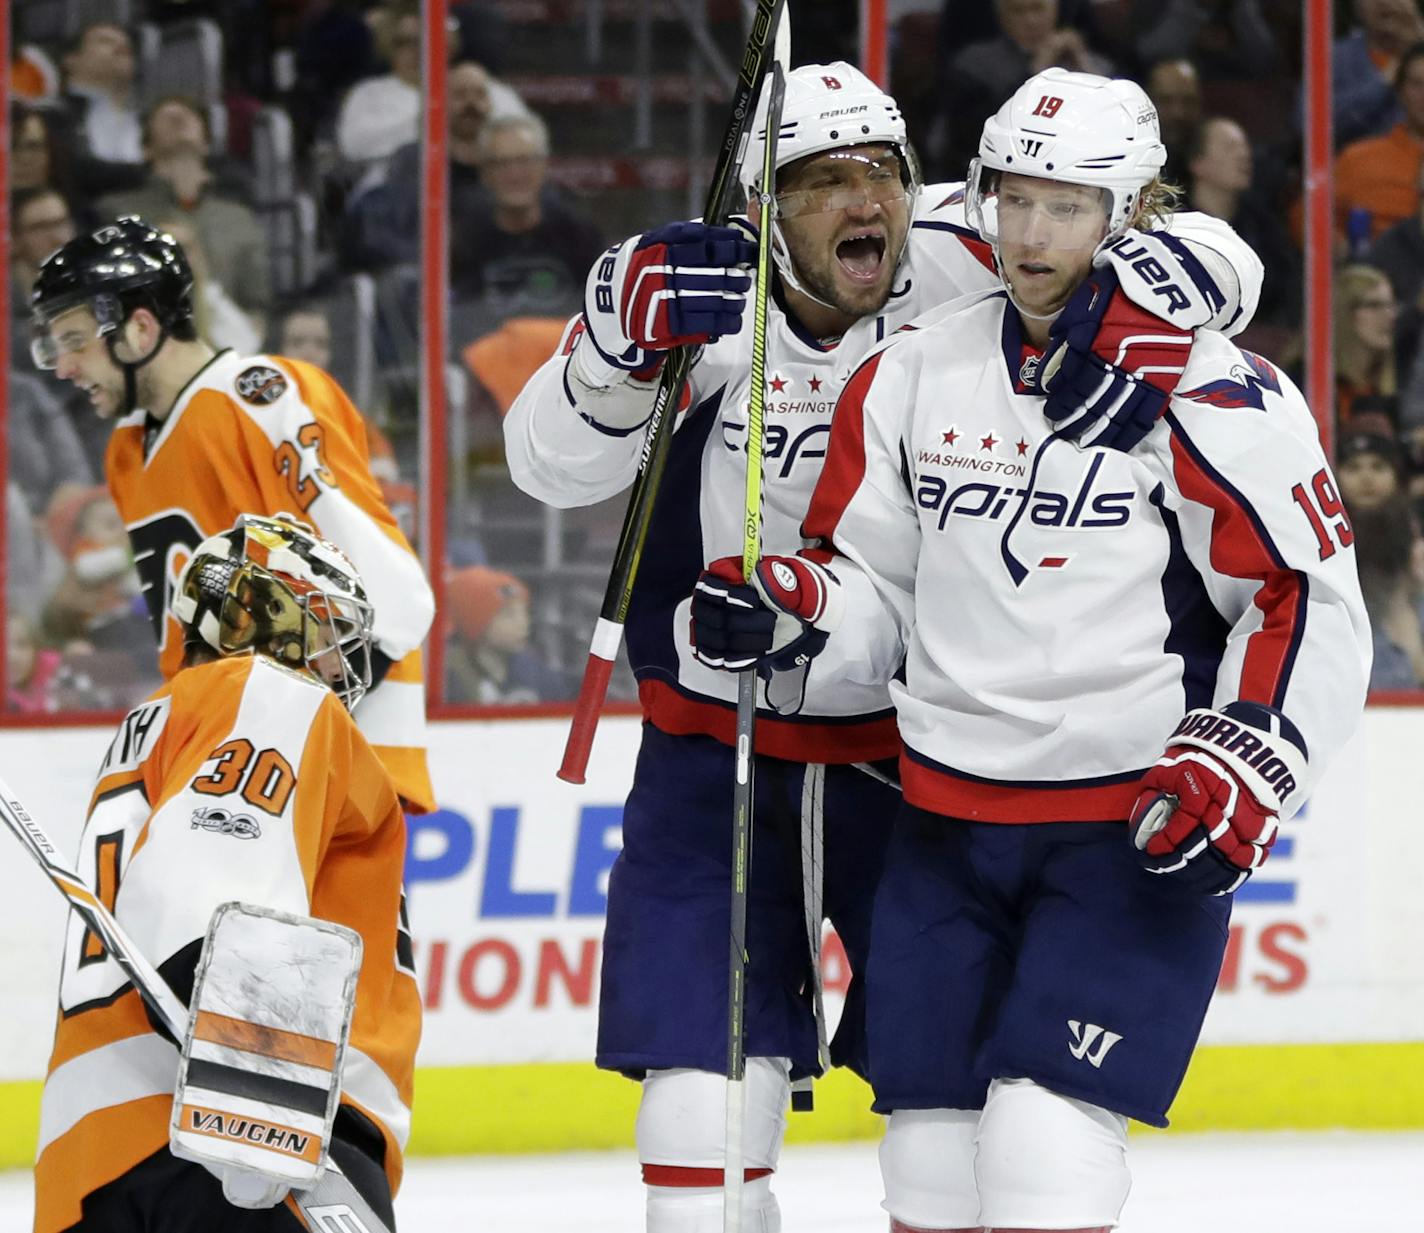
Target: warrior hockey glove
[(684, 284), (776, 622), (1207, 813), (1110, 367)]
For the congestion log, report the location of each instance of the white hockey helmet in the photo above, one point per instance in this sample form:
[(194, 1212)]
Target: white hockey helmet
[(826, 107), (1077, 128), (272, 586)]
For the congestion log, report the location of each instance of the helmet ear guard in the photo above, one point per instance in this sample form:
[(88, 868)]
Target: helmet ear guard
[(271, 586)]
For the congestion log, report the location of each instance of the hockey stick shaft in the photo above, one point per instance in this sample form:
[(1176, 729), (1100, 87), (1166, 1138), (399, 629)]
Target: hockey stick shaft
[(744, 786), (721, 201), (333, 1204)]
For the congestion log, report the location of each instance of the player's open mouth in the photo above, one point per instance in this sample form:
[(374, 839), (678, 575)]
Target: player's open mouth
[(861, 256), (1035, 269)]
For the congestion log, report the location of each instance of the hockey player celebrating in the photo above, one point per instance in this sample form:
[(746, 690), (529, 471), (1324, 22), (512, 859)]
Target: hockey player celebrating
[(860, 247), (202, 436), (1129, 647), (243, 778)]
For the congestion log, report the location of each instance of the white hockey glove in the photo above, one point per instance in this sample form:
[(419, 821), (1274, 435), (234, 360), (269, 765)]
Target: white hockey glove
[(1162, 276), (684, 284), (260, 1077), (1207, 813)]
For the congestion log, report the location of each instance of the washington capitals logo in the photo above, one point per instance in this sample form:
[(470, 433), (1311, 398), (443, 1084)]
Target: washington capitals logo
[(1246, 389)]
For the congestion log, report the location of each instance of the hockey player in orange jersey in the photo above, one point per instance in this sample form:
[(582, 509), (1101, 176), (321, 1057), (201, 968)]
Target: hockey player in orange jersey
[(243, 778), (204, 435)]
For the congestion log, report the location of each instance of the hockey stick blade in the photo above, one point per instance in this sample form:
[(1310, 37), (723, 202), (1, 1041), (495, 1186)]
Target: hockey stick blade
[(333, 1205), (721, 200)]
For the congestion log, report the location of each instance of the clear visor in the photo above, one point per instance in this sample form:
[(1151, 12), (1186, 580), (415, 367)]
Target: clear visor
[(846, 180), (1027, 214), (51, 341)]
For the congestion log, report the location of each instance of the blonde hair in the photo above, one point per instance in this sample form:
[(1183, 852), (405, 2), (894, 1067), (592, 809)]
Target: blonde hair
[(1363, 367), (1156, 204)]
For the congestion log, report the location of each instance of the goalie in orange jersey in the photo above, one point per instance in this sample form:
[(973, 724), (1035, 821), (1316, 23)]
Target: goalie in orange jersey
[(244, 779), (202, 436)]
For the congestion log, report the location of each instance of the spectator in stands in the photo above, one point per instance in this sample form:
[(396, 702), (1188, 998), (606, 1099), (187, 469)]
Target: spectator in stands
[(176, 145), (1220, 172), (305, 334), (97, 604), (34, 153), (381, 114), (963, 22), (1228, 38), (1399, 252), (526, 252), (31, 671), (1370, 468), (1175, 89), (1366, 62), (45, 449), (383, 223), (487, 657), (1365, 312), (40, 222), (984, 74), (1380, 175), (32, 567), (99, 88)]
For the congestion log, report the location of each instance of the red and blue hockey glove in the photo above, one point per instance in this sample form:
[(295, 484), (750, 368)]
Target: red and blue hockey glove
[(684, 284), (778, 621), (1110, 367), (1207, 813)]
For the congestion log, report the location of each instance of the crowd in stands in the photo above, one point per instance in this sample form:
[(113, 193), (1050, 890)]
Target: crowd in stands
[(288, 163)]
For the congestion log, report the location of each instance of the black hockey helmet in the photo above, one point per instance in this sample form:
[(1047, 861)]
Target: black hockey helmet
[(118, 267)]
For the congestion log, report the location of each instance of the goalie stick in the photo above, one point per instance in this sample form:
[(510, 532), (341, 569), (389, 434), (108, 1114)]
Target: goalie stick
[(333, 1204), (721, 200), (744, 786)]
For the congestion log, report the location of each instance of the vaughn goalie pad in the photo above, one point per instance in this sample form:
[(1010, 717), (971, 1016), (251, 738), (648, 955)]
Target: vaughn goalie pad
[(260, 1077)]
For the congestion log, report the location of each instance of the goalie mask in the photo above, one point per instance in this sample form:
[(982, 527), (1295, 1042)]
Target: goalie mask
[(1072, 128), (271, 586), (833, 107)]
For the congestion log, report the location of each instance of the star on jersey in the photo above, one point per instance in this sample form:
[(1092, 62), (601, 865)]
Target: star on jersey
[(815, 385), (1022, 447), (951, 436), (988, 443), (778, 384)]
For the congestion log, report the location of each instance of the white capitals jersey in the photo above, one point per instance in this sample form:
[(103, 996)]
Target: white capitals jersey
[(1058, 610), (561, 454)]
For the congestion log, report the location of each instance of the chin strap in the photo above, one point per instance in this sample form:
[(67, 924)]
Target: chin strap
[(131, 367)]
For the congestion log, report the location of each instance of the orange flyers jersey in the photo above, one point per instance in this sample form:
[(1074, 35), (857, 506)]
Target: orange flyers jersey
[(238, 780), (262, 435)]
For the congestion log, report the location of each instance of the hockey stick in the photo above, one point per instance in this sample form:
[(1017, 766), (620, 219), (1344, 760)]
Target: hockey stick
[(721, 201), (333, 1204), (733, 1172)]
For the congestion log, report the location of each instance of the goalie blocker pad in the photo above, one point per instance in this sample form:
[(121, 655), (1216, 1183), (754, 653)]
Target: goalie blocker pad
[(260, 1077)]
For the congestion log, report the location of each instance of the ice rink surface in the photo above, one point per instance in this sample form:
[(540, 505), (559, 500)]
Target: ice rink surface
[(1334, 1182)]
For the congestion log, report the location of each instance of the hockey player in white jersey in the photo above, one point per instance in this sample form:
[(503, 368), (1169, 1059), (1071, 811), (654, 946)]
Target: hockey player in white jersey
[(1126, 647), (861, 247)]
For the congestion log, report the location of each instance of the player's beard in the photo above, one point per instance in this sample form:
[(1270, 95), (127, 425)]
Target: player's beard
[(816, 272)]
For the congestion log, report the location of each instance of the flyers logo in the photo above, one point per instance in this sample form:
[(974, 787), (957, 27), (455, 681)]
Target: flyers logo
[(260, 385)]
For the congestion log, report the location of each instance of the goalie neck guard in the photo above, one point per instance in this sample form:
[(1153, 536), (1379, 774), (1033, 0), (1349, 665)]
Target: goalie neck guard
[(271, 586)]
